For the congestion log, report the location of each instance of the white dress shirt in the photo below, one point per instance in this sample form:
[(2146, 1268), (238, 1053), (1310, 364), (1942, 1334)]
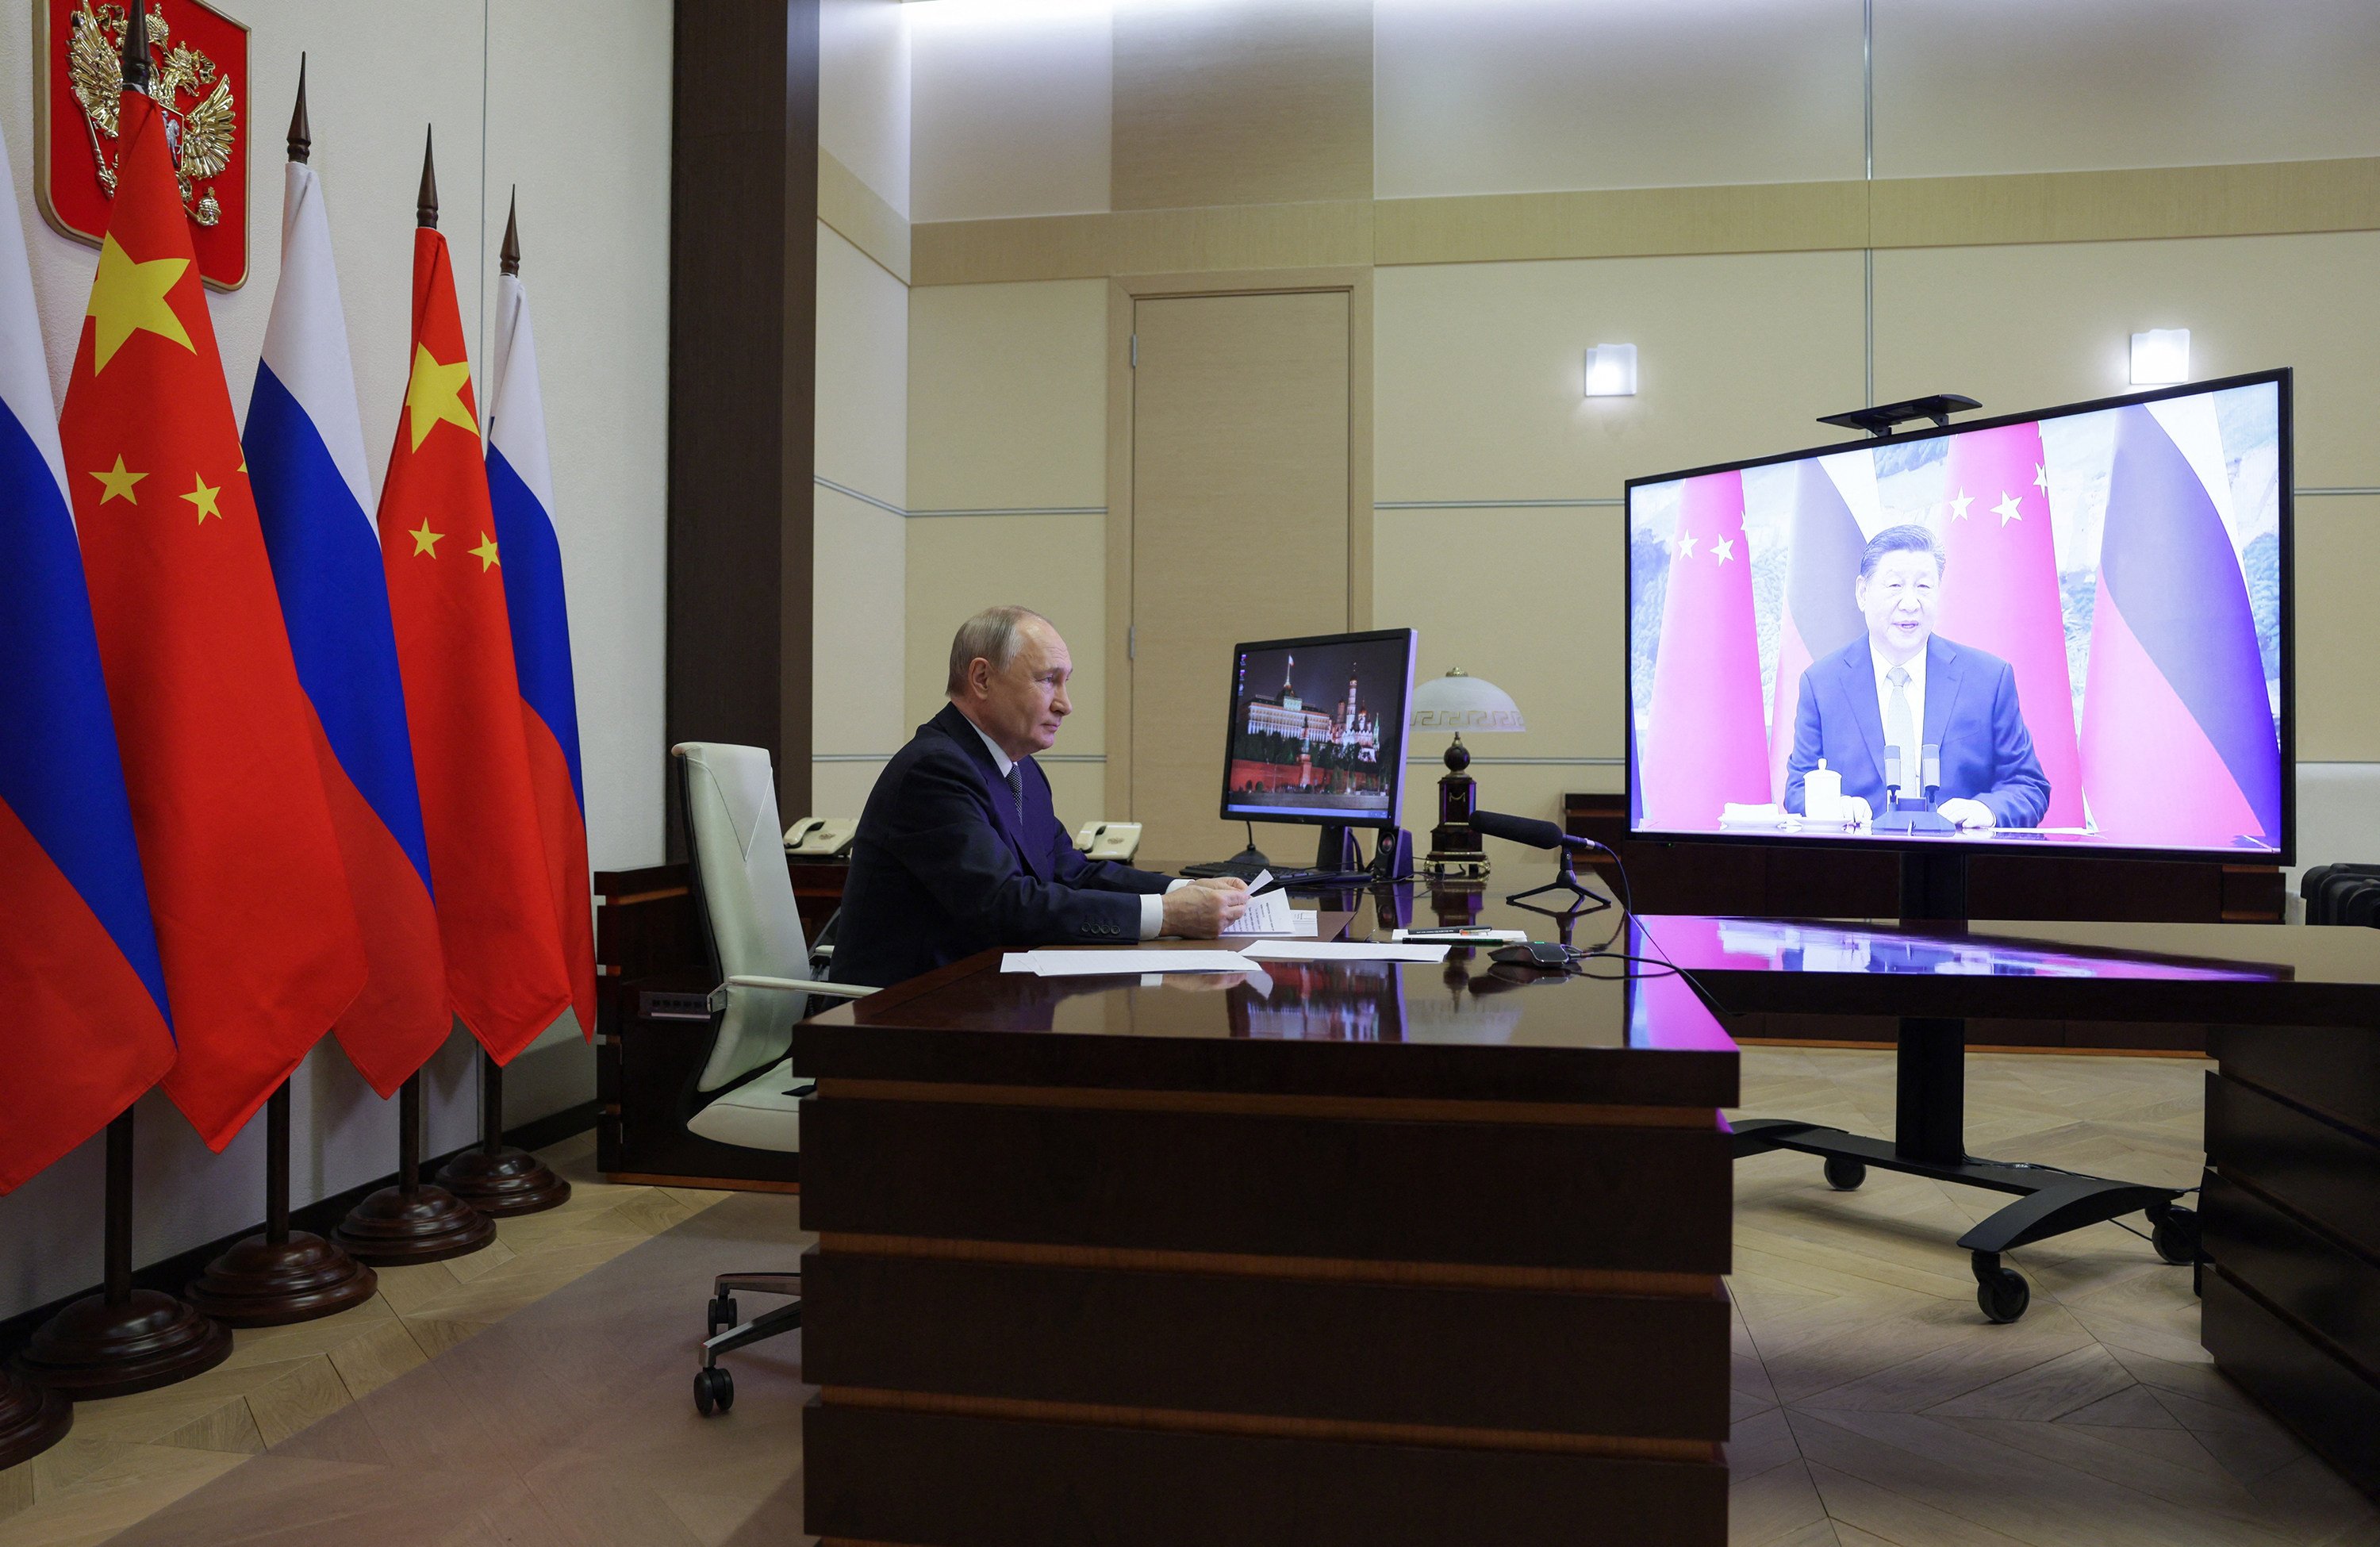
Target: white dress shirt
[(1152, 904), (1911, 766)]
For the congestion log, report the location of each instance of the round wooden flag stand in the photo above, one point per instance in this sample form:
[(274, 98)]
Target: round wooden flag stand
[(31, 1419), (282, 1275), (412, 1223), (495, 1178), (122, 1339)]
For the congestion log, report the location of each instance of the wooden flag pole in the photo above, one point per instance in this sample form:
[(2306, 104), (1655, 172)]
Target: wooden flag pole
[(122, 1339), (410, 1222), (282, 1275), (495, 1178)]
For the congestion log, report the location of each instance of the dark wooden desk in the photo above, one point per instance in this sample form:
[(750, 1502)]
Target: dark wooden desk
[(1352, 1255), (2290, 1206)]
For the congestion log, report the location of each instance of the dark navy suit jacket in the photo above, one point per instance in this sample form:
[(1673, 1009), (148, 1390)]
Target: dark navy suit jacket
[(942, 867), (1971, 714)]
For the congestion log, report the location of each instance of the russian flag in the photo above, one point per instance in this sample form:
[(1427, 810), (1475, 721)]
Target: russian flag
[(2179, 744), (305, 449), (88, 1028), (520, 486)]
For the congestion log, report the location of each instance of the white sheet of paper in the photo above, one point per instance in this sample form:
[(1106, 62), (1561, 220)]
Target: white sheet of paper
[(1340, 950), (1467, 937), (1267, 915), (1096, 962)]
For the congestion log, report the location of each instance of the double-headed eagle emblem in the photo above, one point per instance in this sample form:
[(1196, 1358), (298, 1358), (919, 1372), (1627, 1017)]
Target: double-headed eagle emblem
[(199, 136)]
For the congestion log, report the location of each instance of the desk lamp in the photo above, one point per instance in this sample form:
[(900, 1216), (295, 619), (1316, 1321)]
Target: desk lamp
[(1458, 702)]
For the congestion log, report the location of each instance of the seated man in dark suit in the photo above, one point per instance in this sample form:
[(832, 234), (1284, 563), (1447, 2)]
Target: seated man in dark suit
[(1901, 685), (959, 850)]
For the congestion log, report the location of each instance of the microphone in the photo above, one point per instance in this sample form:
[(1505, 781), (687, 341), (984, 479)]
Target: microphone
[(1932, 776), (1892, 771), (1531, 832)]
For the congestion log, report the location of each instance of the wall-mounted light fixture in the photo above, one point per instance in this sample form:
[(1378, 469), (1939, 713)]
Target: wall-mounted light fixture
[(1612, 371), (2161, 357)]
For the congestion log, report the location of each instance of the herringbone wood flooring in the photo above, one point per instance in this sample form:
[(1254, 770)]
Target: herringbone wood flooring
[(1874, 1404)]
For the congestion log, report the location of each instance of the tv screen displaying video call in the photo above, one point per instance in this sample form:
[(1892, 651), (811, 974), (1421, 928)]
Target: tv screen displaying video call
[(2066, 630)]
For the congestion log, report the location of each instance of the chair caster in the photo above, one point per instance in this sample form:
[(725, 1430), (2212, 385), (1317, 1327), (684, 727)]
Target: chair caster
[(2002, 1292), (714, 1391), (1844, 1173), (722, 1314), (2174, 1233)]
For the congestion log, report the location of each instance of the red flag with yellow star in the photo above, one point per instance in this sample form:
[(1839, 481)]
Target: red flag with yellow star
[(506, 972), (258, 937)]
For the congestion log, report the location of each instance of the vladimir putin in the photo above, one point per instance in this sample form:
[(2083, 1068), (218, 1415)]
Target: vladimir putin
[(959, 849)]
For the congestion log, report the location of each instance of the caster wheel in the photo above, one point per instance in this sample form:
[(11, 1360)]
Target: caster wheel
[(714, 1391), (1844, 1173), (2176, 1235), (2001, 1293), (720, 1314)]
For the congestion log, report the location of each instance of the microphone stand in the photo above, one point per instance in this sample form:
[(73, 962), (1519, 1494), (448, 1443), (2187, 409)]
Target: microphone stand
[(1565, 880)]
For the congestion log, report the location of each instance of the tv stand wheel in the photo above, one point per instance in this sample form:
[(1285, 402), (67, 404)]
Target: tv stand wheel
[(2002, 1292), (2174, 1233), (1844, 1173)]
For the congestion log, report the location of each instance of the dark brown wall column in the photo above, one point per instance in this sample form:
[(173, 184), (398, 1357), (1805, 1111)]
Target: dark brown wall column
[(742, 341)]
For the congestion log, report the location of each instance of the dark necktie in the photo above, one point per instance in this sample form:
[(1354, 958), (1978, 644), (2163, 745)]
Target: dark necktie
[(1016, 788)]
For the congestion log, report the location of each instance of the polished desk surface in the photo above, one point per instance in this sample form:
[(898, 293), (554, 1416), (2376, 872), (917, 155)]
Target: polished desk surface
[(2263, 973), (1466, 1028)]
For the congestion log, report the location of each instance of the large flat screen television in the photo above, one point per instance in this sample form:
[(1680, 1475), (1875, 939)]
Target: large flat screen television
[(2067, 630)]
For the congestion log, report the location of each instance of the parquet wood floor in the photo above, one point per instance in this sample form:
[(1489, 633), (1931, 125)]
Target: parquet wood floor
[(1874, 1404)]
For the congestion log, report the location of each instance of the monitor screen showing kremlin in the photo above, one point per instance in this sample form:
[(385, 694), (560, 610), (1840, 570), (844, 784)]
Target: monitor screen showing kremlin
[(2067, 630), (1317, 728)]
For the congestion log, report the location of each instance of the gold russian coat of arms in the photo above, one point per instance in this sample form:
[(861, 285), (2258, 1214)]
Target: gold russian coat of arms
[(201, 134)]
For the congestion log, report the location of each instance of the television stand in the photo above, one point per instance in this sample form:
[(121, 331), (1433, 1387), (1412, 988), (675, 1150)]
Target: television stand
[(1929, 1122)]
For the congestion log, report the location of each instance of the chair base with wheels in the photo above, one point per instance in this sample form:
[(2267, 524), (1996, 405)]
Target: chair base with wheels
[(714, 1388)]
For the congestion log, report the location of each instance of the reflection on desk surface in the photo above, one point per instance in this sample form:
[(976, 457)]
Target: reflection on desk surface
[(1814, 945)]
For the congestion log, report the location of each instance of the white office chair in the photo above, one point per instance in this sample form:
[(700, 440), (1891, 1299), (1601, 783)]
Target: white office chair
[(743, 1094)]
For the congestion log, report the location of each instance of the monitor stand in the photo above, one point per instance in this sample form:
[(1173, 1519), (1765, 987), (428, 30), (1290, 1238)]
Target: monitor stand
[(1929, 1140), (1338, 853)]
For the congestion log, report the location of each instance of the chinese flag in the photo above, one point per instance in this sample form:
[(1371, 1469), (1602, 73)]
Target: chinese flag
[(1707, 745), (254, 926), (505, 974)]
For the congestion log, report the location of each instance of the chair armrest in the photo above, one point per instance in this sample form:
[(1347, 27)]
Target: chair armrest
[(718, 1000)]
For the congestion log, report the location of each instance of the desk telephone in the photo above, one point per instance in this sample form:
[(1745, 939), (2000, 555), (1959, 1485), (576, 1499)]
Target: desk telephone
[(1109, 840), (821, 838)]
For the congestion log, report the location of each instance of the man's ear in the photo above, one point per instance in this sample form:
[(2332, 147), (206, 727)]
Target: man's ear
[(979, 677), (1859, 592)]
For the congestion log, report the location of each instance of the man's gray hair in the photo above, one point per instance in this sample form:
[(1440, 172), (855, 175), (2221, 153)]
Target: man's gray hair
[(1909, 538), (991, 635)]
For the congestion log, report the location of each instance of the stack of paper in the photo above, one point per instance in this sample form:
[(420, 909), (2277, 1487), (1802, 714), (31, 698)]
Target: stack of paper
[(1340, 950), (1099, 962), (1268, 914)]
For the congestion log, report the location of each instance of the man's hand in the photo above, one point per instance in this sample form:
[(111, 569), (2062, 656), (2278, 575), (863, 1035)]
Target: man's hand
[(1200, 910), (1856, 810), (1968, 813)]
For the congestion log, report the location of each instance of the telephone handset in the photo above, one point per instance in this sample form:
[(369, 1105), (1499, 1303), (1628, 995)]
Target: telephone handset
[(1109, 840), (821, 838)]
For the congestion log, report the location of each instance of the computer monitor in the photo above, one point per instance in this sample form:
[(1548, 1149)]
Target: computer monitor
[(2067, 630), (1316, 732)]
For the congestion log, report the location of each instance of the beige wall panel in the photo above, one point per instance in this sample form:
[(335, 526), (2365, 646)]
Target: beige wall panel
[(1480, 369), (1147, 241), (1055, 565), (1012, 109), (855, 212), (2338, 570), (1261, 101), (1008, 396), (863, 367), (2050, 85), (1508, 96), (857, 591), (1530, 600), (1775, 217), (2123, 206), (841, 789), (1075, 791), (2023, 327), (864, 94)]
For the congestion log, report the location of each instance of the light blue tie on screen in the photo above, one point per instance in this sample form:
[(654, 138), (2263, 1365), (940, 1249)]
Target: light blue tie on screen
[(1899, 732)]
